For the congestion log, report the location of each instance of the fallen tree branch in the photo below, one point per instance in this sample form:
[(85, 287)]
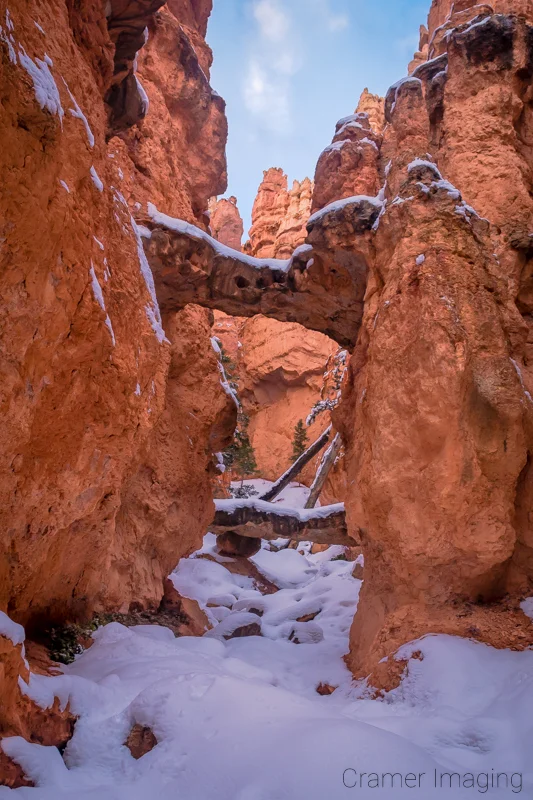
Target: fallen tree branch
[(323, 471), (295, 469), (258, 519)]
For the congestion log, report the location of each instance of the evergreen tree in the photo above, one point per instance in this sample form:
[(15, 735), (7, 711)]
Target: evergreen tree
[(300, 440), (240, 455)]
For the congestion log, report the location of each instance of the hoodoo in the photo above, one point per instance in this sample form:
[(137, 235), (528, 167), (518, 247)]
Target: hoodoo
[(352, 381)]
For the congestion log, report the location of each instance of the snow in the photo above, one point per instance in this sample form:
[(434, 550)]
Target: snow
[(44, 85), (302, 514), (474, 25), (145, 103), (39, 28), (420, 162), (78, 114), (403, 81), (152, 308), (99, 297), (96, 179), (349, 126), (420, 260), (65, 186), (185, 228), (335, 146), (527, 607), (9, 41), (521, 379), (448, 187), (99, 243), (223, 377), (337, 205), (366, 140), (11, 630), (242, 720), (359, 115), (138, 390)]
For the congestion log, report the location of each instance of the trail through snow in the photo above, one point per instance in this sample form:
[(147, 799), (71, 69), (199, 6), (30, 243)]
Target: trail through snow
[(242, 720)]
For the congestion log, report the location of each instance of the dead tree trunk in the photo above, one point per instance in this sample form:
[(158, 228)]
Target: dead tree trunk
[(323, 471), (259, 520), (297, 467)]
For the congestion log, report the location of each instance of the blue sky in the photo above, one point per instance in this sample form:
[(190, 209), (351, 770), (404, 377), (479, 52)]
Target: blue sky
[(289, 69)]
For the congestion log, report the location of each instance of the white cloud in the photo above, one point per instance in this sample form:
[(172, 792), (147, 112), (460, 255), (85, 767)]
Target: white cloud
[(266, 98), (273, 61), (273, 21), (334, 22), (338, 22)]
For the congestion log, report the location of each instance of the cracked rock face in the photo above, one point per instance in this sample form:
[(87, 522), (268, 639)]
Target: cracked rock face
[(90, 385)]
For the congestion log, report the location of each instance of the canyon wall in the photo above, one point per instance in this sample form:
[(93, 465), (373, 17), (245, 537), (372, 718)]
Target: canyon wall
[(279, 365), (437, 412), (426, 225), (106, 441)]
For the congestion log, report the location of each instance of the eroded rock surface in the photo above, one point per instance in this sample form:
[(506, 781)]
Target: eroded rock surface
[(437, 413), (279, 216), (225, 222), (92, 379)]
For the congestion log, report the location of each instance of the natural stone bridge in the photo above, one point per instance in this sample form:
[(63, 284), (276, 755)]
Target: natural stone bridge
[(321, 287)]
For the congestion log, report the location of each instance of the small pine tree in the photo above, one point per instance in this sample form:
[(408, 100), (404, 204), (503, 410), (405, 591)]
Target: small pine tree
[(300, 440), (240, 455)]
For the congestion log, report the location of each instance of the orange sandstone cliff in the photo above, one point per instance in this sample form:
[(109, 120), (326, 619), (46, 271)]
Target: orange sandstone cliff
[(419, 259), (437, 409), (106, 442)]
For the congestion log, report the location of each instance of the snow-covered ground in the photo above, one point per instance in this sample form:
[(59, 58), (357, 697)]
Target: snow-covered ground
[(242, 720)]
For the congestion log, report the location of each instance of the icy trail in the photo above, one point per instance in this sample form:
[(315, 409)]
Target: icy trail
[(241, 719)]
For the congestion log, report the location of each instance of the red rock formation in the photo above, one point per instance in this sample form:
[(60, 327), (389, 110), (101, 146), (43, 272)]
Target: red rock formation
[(437, 412), (438, 417), (104, 426), (176, 154), (225, 222), (281, 367), (20, 716), (374, 107), (279, 216), (349, 165), (85, 397)]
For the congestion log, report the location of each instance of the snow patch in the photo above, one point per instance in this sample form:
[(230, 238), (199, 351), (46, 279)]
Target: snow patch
[(337, 205), (11, 630), (186, 228), (527, 607), (152, 309), (44, 85), (96, 179), (78, 114), (99, 297)]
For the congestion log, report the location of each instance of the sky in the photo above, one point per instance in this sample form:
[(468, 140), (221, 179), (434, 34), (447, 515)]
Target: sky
[(289, 69)]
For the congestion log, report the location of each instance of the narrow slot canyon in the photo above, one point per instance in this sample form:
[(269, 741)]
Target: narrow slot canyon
[(265, 512)]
